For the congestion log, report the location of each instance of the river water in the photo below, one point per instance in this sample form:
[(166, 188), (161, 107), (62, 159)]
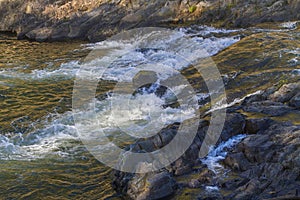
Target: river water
[(41, 154)]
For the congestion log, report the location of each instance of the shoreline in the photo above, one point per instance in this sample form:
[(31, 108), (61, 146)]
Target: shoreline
[(95, 21)]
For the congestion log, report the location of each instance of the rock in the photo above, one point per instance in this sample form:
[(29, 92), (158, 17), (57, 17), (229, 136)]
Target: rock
[(234, 125), (247, 191), (210, 193), (269, 108), (151, 186), (206, 176), (254, 147), (273, 163), (143, 78), (237, 161), (233, 183), (286, 92), (266, 164), (194, 183), (253, 126), (97, 20), (295, 101)]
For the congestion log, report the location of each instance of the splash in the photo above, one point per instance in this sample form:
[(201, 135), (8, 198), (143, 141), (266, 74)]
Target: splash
[(219, 153)]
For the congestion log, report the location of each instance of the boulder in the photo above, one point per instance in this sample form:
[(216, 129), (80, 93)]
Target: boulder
[(295, 101), (254, 126), (237, 161), (270, 161), (151, 186), (285, 93), (269, 108), (234, 125), (143, 78), (97, 20)]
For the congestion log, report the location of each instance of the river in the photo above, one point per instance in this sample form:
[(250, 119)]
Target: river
[(41, 153)]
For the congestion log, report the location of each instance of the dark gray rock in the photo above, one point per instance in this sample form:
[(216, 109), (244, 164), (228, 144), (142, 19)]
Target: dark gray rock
[(286, 92), (295, 101), (254, 126), (151, 186), (237, 161), (194, 183), (269, 108), (273, 163), (234, 125)]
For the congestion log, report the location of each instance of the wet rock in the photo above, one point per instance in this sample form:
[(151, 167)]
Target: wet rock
[(253, 126), (269, 108), (248, 191), (286, 92), (206, 176), (255, 146), (151, 186), (233, 183), (273, 163), (144, 78), (266, 164), (194, 183), (210, 193), (182, 166), (234, 125), (295, 101), (237, 161)]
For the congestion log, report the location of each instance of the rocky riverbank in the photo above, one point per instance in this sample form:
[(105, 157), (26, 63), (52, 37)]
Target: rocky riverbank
[(257, 155), (96, 20), (264, 165)]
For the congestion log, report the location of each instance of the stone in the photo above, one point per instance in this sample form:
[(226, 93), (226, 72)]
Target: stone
[(253, 126), (144, 78), (248, 190), (106, 18), (286, 92), (269, 108), (206, 176), (295, 101), (151, 186), (234, 125), (266, 164), (194, 183), (237, 161)]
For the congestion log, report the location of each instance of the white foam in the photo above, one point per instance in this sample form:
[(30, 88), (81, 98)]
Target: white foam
[(66, 70), (221, 105), (144, 116), (296, 71), (290, 25), (141, 116), (219, 153), (41, 142), (293, 61), (161, 50), (202, 30), (212, 188), (152, 115), (166, 45)]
